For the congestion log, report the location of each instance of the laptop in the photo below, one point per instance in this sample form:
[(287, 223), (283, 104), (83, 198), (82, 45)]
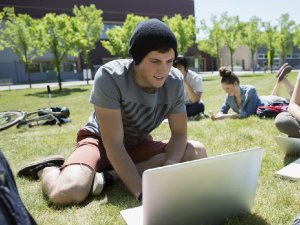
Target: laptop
[(291, 171), (291, 146), (204, 191)]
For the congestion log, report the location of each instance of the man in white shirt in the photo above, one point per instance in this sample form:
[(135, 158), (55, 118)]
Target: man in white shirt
[(193, 87)]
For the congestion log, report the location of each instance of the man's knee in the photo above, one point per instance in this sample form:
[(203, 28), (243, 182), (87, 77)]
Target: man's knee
[(281, 121), (194, 150), (287, 124), (72, 186)]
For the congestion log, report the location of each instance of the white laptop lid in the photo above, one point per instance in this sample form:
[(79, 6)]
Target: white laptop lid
[(291, 146), (291, 171), (204, 191)]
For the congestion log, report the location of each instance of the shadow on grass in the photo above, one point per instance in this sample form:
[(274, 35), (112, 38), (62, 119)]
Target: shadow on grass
[(248, 219), (57, 93), (206, 79), (290, 158), (251, 75)]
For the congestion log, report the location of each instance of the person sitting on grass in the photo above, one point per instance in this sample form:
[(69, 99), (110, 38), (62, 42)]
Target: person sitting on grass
[(243, 99), (131, 98), (193, 88), (289, 122)]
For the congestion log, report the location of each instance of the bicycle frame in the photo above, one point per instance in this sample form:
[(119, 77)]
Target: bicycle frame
[(38, 119), (45, 116)]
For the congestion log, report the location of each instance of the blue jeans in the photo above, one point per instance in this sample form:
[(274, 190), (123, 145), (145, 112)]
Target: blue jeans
[(193, 109)]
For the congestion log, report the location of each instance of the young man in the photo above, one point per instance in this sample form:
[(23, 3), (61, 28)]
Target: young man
[(193, 87), (131, 98)]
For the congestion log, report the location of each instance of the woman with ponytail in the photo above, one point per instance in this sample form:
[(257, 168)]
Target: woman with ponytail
[(243, 99)]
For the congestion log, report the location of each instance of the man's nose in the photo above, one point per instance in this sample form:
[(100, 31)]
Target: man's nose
[(164, 68)]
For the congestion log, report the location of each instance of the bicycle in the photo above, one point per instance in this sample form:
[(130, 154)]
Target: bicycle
[(44, 116)]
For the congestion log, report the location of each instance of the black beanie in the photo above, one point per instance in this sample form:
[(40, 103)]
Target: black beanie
[(151, 35)]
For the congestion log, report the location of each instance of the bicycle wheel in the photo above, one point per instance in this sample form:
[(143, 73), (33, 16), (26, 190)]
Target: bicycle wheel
[(8, 119)]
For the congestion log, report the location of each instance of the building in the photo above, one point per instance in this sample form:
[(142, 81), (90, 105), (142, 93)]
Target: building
[(114, 13), (242, 59), (293, 58)]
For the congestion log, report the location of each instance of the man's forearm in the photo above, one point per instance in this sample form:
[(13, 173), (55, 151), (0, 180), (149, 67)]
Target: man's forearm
[(175, 150), (126, 169)]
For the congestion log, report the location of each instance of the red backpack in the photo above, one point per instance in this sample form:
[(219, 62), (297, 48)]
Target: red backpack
[(271, 111)]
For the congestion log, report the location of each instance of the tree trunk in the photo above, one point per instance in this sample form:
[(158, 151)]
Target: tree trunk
[(59, 78), (86, 66), (253, 66), (218, 62), (231, 60), (28, 74)]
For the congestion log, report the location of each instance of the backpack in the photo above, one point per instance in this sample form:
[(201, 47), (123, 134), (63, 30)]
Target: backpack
[(271, 111), (61, 115), (12, 209)]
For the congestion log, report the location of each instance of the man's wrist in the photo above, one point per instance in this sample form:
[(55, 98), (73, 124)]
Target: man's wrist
[(170, 162)]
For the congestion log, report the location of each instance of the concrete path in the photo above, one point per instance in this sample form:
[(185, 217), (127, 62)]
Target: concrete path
[(91, 82), (44, 85)]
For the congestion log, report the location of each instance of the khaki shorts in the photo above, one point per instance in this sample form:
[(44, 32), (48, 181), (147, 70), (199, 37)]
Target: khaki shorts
[(91, 152)]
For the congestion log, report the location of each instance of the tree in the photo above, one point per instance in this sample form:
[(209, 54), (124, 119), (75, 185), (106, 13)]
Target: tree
[(119, 36), (297, 36), (24, 36), (231, 27), (212, 42), (2, 14), (251, 36), (88, 26), (285, 36), (269, 38), (184, 30), (61, 39)]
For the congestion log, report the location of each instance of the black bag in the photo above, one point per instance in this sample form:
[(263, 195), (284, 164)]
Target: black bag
[(61, 115), (271, 111), (12, 209)]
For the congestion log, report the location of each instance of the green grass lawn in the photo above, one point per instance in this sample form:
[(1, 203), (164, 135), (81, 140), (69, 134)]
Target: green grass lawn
[(277, 201)]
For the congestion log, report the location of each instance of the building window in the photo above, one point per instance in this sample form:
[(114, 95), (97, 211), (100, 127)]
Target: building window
[(262, 56), (47, 67), (107, 26), (296, 55), (35, 67), (69, 66), (289, 56)]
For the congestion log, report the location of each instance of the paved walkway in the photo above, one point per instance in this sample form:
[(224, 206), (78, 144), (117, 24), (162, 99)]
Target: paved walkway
[(44, 85), (73, 83)]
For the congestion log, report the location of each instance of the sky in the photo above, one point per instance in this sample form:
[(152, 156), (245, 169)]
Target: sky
[(267, 10)]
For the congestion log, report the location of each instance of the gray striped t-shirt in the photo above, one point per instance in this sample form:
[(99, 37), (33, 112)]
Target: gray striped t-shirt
[(115, 88)]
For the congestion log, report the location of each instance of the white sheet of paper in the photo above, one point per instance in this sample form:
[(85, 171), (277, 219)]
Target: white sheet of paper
[(291, 171), (133, 216)]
